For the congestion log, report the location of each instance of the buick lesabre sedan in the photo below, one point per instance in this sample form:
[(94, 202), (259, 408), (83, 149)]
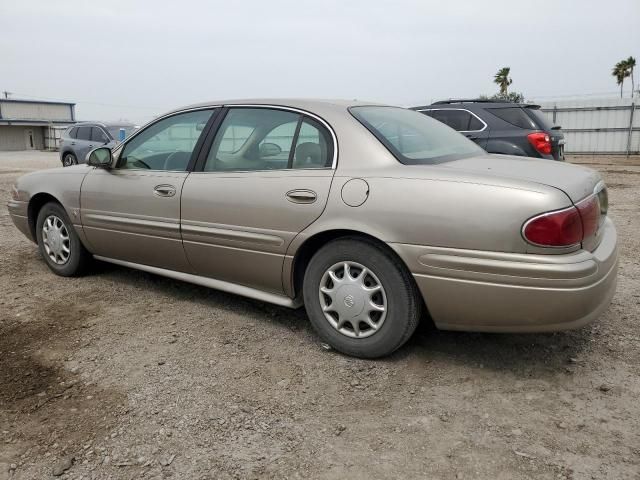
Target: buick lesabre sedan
[(368, 215)]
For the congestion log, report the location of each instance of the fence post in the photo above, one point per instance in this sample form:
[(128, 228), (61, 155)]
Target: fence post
[(555, 110), (633, 109)]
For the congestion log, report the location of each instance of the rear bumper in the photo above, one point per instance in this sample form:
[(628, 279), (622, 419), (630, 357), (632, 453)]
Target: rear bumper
[(502, 292)]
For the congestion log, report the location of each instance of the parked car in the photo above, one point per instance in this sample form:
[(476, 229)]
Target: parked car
[(80, 139), (368, 215), (501, 127)]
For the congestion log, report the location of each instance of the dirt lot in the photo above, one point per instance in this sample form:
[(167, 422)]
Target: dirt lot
[(125, 375)]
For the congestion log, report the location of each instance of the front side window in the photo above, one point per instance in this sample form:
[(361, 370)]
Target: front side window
[(253, 139), (414, 138), (72, 132), (167, 144)]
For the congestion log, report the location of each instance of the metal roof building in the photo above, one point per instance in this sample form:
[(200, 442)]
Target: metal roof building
[(33, 124)]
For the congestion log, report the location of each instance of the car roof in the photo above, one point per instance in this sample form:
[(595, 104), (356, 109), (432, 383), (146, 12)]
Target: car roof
[(302, 103), (480, 103), (104, 124)]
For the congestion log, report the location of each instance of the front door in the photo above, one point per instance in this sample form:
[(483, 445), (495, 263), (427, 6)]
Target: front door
[(132, 212), (30, 142), (266, 177)]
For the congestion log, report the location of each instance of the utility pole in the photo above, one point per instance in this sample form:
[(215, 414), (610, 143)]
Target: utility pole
[(6, 94)]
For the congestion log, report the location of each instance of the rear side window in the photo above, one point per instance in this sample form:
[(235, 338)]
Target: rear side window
[(515, 116), (314, 147), (414, 138), (84, 133), (460, 120), (539, 118)]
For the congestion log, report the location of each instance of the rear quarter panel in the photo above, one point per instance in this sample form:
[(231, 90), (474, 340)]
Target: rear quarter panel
[(445, 212)]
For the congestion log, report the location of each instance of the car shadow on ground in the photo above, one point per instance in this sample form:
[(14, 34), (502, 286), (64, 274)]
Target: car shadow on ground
[(531, 355)]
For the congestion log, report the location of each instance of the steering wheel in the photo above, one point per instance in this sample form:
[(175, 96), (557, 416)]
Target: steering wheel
[(168, 159)]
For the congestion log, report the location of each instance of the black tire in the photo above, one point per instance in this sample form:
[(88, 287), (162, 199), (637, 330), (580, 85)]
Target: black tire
[(69, 159), (403, 301), (78, 259)]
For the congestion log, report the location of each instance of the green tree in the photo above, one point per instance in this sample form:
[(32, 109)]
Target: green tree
[(620, 71), (502, 79), (631, 64)]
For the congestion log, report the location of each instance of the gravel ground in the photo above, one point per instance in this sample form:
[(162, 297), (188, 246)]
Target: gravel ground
[(123, 374)]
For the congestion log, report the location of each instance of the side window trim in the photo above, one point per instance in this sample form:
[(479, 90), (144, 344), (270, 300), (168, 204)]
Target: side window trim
[(484, 124), (294, 143), (211, 134), (215, 114)]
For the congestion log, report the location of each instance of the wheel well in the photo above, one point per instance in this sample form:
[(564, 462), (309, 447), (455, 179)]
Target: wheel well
[(35, 204), (317, 241)]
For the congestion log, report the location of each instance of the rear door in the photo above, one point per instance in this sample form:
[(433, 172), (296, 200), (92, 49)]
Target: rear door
[(463, 121), (83, 143), (265, 178)]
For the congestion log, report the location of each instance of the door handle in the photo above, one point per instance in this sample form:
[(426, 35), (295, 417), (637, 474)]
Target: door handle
[(471, 137), (301, 196), (164, 190)]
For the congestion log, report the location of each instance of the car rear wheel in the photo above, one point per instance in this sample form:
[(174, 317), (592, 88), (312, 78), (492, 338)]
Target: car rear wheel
[(360, 298), (58, 242), (69, 159)]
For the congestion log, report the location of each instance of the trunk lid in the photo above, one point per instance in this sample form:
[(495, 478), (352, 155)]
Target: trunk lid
[(575, 181)]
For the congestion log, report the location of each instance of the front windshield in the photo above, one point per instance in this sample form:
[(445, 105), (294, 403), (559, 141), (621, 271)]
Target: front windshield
[(414, 138)]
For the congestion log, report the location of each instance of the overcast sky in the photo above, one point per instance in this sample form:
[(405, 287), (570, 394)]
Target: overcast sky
[(136, 59)]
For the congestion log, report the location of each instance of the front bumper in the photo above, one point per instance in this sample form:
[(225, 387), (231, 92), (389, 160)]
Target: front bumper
[(18, 211), (505, 292)]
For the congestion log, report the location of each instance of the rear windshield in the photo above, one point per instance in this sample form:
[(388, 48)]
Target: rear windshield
[(539, 118), (414, 138), (114, 131)]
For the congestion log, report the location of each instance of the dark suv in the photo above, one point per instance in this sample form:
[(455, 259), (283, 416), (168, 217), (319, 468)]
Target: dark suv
[(501, 127), (80, 139)]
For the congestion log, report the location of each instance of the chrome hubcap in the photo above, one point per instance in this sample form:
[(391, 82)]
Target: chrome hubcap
[(353, 299), (55, 238)]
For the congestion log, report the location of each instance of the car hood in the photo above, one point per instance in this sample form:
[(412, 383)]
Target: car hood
[(576, 181)]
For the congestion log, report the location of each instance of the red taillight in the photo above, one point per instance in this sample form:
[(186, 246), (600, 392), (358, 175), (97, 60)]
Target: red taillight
[(554, 229), (566, 227), (589, 209), (541, 142)]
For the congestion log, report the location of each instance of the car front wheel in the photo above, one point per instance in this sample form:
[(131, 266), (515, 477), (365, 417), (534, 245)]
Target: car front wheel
[(360, 298), (58, 242), (69, 159)]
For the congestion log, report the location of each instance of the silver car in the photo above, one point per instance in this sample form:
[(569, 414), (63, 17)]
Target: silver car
[(368, 215), (80, 139)]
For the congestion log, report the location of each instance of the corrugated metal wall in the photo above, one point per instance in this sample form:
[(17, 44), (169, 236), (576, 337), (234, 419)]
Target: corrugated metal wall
[(597, 125), (13, 137), (35, 111)]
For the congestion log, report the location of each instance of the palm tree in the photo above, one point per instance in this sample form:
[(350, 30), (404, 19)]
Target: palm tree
[(631, 64), (621, 72), (502, 79)]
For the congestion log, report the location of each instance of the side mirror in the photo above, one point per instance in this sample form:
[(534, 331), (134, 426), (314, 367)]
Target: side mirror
[(100, 157)]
